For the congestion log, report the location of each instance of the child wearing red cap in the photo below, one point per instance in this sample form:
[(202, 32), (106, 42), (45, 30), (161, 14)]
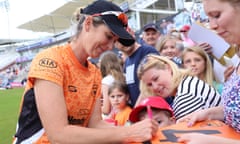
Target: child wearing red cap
[(156, 108)]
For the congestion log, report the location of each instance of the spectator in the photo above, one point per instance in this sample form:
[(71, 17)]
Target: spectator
[(61, 102), (167, 46), (150, 34), (111, 70), (164, 78), (119, 95), (134, 53), (156, 108), (198, 61)]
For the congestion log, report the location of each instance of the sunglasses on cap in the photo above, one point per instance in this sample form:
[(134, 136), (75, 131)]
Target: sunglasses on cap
[(120, 15)]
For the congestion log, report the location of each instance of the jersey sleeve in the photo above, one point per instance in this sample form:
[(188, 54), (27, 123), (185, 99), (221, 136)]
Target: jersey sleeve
[(47, 65)]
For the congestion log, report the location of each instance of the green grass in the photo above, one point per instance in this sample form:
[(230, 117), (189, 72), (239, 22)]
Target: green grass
[(9, 110)]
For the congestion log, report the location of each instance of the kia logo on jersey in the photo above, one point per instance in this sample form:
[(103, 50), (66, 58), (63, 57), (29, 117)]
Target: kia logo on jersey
[(46, 62)]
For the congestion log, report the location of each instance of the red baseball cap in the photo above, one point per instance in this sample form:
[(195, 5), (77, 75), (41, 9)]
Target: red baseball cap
[(152, 101)]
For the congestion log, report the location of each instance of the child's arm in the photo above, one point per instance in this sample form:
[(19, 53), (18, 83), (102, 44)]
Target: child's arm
[(214, 113)]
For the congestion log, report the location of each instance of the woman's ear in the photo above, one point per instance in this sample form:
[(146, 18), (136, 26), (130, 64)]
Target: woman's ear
[(87, 23)]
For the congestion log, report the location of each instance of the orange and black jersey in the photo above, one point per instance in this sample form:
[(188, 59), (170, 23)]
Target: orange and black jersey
[(81, 87)]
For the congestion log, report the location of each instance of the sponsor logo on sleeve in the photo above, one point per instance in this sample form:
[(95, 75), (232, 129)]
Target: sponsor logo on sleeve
[(46, 62)]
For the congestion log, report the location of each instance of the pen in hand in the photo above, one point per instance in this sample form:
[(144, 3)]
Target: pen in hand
[(149, 111)]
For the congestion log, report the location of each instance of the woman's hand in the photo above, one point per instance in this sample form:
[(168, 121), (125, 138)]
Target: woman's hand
[(142, 131), (194, 117), (206, 47), (214, 113)]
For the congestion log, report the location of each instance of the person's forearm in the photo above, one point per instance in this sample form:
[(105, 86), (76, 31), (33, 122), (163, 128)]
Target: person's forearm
[(82, 135), (216, 113), (104, 124)]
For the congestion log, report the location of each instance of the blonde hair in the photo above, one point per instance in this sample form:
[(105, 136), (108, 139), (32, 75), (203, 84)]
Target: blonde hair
[(163, 40), (208, 71), (160, 62)]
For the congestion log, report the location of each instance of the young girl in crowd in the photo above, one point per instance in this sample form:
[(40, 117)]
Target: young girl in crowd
[(111, 70), (164, 78), (156, 108), (224, 19), (119, 96), (167, 46), (197, 60)]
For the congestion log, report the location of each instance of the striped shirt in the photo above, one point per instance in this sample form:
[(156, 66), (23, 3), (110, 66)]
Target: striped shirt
[(194, 94)]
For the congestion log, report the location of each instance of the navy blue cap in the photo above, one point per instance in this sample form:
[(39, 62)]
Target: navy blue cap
[(150, 26), (112, 21)]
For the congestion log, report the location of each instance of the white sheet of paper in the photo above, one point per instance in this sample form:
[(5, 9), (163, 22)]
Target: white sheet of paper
[(200, 34)]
